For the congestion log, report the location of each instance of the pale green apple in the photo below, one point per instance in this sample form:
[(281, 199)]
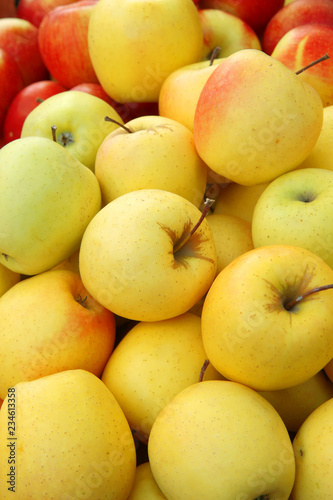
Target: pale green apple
[(135, 45), (145, 486), (158, 153), (297, 209), (136, 258), (253, 331), (221, 440), (50, 323), (80, 123), (242, 131), (48, 198), (70, 440)]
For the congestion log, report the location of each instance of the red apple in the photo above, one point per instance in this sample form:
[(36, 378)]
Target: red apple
[(10, 84), (20, 39), (295, 14), (63, 43), (256, 13), (35, 10), (24, 102), (8, 8), (95, 89)]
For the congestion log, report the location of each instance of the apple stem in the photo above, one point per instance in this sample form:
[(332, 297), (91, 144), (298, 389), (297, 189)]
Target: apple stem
[(214, 55), (208, 203), (39, 100), (306, 294), (54, 132), (203, 370), (322, 58), (139, 437), (108, 119)]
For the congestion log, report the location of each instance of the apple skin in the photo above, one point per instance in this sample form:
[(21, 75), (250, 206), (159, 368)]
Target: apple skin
[(127, 259), (228, 433), (250, 337), (11, 83), (55, 325), (63, 43), (158, 154), (329, 370), (25, 101), (20, 39), (35, 10), (8, 279), (295, 14), (145, 486), (8, 9), (297, 209)]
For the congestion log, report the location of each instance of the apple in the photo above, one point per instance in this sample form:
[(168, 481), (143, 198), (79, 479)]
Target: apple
[(242, 131), (152, 363), (63, 43), (8, 9), (328, 369), (48, 198), (20, 39), (253, 330), (153, 152), (297, 209), (73, 440), (145, 486), (313, 445), (219, 440), (221, 29), (139, 258), (35, 10), (71, 263), (8, 279), (295, 14), (10, 84), (80, 123), (146, 43), (256, 13), (24, 102), (55, 325)]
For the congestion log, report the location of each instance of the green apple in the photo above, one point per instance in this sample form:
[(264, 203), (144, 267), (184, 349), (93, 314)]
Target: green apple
[(48, 198), (262, 325), (68, 438), (242, 131), (80, 123), (221, 440), (152, 152), (297, 209), (135, 45), (138, 259), (50, 323), (313, 446), (145, 486), (154, 362)]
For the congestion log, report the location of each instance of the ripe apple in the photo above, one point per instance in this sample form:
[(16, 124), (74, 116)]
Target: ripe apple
[(55, 325), (221, 440), (242, 131), (295, 14), (10, 84), (152, 363), (20, 39), (79, 120), (148, 41), (8, 278), (152, 153), (35, 10), (145, 486), (139, 259), (8, 9), (73, 440), (253, 331), (25, 101), (63, 43), (313, 446), (328, 369), (221, 29), (48, 198), (297, 209)]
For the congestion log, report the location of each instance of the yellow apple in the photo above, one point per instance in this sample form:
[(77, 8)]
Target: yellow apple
[(313, 446), (153, 363), (67, 438), (137, 257), (329, 369), (297, 209), (253, 330), (242, 131), (8, 278), (80, 121), (135, 45), (71, 263), (145, 486), (158, 153), (221, 440), (49, 323)]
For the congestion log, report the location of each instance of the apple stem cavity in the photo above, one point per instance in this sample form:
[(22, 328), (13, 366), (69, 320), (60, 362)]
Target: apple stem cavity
[(81, 301), (207, 204), (214, 55), (293, 302), (203, 370), (313, 63), (108, 119)]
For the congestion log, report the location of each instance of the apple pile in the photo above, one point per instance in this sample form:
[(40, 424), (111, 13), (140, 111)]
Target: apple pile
[(166, 249)]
